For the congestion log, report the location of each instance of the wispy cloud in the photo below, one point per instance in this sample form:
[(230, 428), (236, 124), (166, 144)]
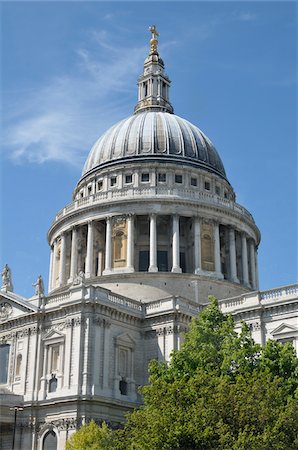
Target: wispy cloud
[(59, 121)]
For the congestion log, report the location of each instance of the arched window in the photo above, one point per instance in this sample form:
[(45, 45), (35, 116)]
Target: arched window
[(18, 365), (50, 441)]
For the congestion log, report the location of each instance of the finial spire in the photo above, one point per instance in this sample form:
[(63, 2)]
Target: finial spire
[(153, 40), (154, 84)]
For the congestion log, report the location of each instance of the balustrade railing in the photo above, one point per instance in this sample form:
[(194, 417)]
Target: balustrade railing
[(185, 194)]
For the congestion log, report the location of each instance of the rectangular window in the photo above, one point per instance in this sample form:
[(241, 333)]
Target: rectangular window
[(178, 179), (145, 177), (99, 185), (207, 185), (226, 194), (113, 181), (217, 190), (162, 177), (128, 179), (4, 356), (55, 358), (193, 181), (89, 189)]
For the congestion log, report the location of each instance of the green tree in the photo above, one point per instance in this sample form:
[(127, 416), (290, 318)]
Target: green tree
[(91, 437), (220, 391)]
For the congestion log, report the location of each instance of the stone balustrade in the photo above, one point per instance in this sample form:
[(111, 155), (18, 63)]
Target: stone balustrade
[(154, 192), (260, 298)]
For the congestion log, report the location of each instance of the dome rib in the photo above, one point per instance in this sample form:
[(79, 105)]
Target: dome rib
[(143, 135)]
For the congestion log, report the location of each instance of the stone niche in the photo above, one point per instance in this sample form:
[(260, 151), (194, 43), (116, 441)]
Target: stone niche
[(119, 243)]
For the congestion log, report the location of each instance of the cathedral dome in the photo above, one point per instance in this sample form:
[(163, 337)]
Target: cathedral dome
[(155, 135)]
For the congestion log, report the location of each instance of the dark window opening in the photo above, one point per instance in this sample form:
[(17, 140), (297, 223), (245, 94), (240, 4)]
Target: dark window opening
[(162, 261), (128, 179), (183, 262), (145, 177), (217, 190), (4, 356), (100, 185), (207, 185), (193, 181), (113, 181), (162, 177), (226, 194), (123, 386), (143, 260), (178, 179)]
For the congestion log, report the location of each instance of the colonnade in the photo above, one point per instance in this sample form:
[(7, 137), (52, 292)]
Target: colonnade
[(59, 277)]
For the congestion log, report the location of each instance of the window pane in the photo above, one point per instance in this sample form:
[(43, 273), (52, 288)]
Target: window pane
[(4, 355)]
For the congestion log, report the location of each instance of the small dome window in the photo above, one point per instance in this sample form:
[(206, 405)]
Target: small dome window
[(113, 181), (193, 181), (178, 179), (207, 185), (217, 190), (128, 179), (99, 185), (162, 177), (145, 177)]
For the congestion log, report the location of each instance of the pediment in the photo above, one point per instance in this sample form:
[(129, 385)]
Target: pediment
[(53, 335), (126, 340), (284, 329), (13, 306)]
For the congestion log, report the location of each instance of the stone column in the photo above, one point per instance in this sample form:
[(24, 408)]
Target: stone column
[(217, 262), (54, 271), (62, 260), (244, 260), (153, 245), (108, 252), (197, 245), (90, 244), (130, 244), (176, 245), (232, 248), (74, 254), (257, 270), (253, 264), (51, 268)]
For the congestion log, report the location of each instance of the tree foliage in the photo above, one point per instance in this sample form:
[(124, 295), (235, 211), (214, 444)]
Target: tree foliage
[(91, 437), (220, 391)]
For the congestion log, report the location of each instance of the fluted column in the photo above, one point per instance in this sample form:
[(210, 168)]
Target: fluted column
[(232, 247), (108, 252), (90, 245), (62, 260), (153, 245), (176, 245), (74, 254), (197, 245), (217, 262), (51, 268), (253, 264), (244, 260), (130, 243)]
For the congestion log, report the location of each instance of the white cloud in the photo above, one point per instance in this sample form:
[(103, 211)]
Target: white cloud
[(60, 121)]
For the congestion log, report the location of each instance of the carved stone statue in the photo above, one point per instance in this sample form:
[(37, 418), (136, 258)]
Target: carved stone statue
[(39, 287), (79, 278), (6, 279)]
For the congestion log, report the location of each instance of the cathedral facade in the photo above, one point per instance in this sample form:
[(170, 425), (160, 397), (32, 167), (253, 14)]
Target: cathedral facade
[(153, 229)]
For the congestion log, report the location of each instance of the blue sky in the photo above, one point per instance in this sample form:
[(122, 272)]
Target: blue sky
[(69, 72)]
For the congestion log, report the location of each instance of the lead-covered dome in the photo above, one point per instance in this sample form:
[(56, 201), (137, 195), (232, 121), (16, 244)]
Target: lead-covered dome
[(158, 135)]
